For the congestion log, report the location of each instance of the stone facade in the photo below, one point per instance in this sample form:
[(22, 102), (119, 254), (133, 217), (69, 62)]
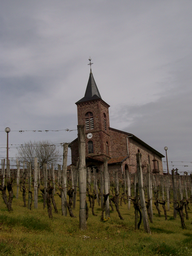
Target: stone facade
[(127, 145)]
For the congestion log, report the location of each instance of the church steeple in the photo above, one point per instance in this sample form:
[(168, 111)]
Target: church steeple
[(92, 92), (93, 113)]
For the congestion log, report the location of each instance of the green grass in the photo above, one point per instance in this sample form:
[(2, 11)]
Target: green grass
[(31, 232)]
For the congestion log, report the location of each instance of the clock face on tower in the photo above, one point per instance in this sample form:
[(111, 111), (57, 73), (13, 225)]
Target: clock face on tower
[(89, 136)]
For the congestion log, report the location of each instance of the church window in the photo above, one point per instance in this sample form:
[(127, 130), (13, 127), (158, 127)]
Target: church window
[(155, 166), (89, 121), (105, 121), (107, 148), (90, 147)]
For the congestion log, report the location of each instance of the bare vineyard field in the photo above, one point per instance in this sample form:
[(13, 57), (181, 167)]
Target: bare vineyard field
[(31, 232)]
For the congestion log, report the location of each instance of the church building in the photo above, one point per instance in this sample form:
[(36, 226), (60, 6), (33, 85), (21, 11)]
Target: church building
[(103, 141)]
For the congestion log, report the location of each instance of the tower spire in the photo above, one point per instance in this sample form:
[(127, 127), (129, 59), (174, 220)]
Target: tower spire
[(90, 63), (92, 91)]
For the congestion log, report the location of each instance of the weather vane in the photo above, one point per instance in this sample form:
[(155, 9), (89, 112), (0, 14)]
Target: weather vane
[(90, 63)]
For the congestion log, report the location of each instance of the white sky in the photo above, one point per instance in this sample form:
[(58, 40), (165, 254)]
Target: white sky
[(142, 58)]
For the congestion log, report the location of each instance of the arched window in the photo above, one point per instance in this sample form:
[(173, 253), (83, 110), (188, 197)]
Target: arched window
[(107, 148), (90, 147), (105, 121), (89, 122), (155, 166)]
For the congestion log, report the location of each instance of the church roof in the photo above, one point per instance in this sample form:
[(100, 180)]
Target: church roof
[(92, 92)]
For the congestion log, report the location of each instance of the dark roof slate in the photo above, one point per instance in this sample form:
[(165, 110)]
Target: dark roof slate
[(92, 92)]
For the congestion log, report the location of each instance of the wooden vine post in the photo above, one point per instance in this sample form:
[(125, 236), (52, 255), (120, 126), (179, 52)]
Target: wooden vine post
[(18, 178), (35, 183), (185, 184), (53, 177), (150, 191), (95, 184), (174, 194), (191, 184), (8, 171), (45, 185), (29, 187), (167, 190), (128, 188), (89, 179), (3, 172), (135, 184), (82, 177), (73, 198), (64, 181), (101, 184), (59, 175), (180, 188), (141, 193), (75, 177), (135, 206), (162, 188), (117, 182), (106, 188)]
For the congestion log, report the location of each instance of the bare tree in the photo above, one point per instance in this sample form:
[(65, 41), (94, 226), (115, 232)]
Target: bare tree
[(43, 150)]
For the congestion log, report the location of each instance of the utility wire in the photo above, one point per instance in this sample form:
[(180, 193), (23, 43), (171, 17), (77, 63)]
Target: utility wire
[(42, 130)]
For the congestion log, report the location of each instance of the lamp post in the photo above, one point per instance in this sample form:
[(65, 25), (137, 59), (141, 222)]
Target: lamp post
[(7, 130), (166, 148)]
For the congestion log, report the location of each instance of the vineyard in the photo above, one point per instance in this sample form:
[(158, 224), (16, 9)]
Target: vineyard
[(37, 219)]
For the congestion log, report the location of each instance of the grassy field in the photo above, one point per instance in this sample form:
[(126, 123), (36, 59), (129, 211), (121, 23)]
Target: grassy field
[(31, 232)]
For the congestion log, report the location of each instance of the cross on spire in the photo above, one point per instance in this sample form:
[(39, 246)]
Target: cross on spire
[(90, 63)]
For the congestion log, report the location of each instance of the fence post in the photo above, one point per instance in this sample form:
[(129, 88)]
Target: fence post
[(3, 172), (45, 184), (82, 177), (106, 187), (59, 175), (167, 189), (191, 184), (89, 179), (18, 178), (162, 187), (180, 188), (101, 184), (141, 193), (174, 194), (117, 182), (150, 192), (75, 176), (53, 177), (29, 187), (128, 188), (35, 183), (96, 184), (186, 192), (64, 181)]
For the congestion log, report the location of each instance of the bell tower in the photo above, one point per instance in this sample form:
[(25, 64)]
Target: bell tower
[(93, 113)]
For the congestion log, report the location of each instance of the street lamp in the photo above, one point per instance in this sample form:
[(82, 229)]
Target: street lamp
[(166, 148), (7, 130)]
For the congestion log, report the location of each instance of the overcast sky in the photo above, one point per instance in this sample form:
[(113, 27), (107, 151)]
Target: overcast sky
[(142, 55)]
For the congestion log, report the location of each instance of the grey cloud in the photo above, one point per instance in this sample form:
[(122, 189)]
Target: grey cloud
[(142, 65)]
